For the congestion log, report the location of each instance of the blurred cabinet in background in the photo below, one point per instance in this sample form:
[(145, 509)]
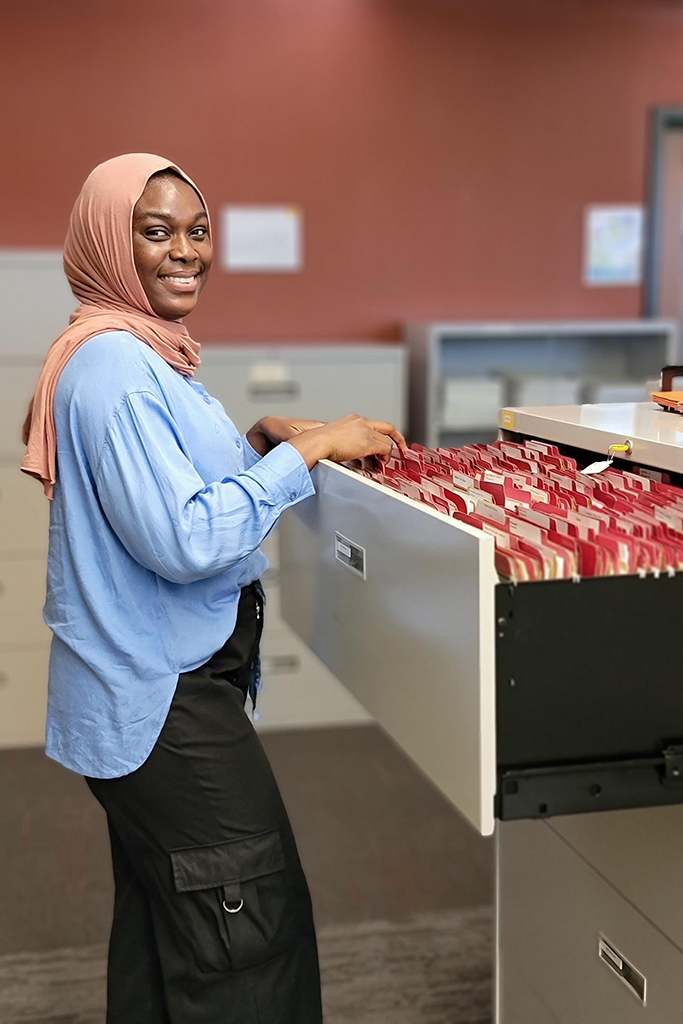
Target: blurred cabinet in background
[(37, 301), (314, 382), (461, 374)]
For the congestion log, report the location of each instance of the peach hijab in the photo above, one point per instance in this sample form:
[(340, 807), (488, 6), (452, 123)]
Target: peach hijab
[(99, 265)]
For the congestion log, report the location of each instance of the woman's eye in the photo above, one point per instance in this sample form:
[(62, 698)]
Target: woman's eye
[(156, 233), (200, 232)]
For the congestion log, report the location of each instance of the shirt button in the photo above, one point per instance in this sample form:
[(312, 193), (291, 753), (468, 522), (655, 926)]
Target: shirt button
[(207, 400), (238, 443), (292, 495)]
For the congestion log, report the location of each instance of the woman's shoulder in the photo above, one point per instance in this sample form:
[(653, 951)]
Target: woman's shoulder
[(115, 363)]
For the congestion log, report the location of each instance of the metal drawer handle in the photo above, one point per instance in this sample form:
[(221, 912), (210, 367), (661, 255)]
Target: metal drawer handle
[(281, 662), (274, 389)]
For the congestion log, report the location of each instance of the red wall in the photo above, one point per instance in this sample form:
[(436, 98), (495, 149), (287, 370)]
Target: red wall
[(442, 157)]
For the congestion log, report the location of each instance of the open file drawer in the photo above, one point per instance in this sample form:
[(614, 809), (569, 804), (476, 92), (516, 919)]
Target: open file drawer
[(532, 700)]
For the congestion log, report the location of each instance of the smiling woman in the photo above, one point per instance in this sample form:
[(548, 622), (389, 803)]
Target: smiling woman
[(159, 508), (171, 244)]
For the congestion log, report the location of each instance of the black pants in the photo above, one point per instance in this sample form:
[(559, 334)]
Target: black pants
[(212, 914)]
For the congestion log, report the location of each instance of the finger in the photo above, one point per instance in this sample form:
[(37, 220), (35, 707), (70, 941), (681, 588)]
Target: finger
[(384, 446), (391, 431)]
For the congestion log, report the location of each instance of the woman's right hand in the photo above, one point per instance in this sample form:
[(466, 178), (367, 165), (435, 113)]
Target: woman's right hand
[(353, 437)]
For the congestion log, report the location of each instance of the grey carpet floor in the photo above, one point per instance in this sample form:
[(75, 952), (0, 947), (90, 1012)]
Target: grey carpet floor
[(433, 968)]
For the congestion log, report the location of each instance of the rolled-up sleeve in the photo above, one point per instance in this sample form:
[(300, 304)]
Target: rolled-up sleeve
[(251, 456), (164, 514)]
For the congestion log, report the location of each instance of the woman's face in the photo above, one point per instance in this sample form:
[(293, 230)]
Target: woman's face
[(171, 245)]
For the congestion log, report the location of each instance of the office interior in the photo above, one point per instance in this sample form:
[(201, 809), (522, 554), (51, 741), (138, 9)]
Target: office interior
[(481, 206)]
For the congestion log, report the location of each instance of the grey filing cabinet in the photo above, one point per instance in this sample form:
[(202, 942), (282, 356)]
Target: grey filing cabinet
[(312, 381), (33, 281), (461, 373), (550, 712)]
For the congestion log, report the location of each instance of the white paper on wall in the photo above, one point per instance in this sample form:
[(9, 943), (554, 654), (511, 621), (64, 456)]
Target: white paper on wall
[(264, 238), (613, 245)]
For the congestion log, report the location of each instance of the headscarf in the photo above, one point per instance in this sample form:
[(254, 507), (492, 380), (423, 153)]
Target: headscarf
[(99, 265)]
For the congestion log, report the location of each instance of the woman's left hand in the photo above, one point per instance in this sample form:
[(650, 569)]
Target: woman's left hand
[(273, 430)]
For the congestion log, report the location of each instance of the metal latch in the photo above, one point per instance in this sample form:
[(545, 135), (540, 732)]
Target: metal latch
[(673, 764)]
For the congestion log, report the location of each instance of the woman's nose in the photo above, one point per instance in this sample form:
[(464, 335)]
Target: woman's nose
[(183, 249)]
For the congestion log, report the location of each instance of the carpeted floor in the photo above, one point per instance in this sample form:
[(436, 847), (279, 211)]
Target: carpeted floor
[(430, 968)]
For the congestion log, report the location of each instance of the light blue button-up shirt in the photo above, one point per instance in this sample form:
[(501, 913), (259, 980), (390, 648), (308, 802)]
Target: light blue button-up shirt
[(158, 513)]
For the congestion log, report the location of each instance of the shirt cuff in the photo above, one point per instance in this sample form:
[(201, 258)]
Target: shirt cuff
[(251, 456), (284, 473)]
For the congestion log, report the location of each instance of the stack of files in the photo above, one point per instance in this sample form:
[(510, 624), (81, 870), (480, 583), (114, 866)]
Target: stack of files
[(471, 403), (548, 519), (537, 390), (616, 393)]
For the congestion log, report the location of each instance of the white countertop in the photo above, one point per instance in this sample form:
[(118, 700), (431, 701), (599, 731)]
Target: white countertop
[(656, 435)]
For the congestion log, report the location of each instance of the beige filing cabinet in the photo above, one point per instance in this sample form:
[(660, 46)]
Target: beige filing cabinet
[(550, 712), (34, 281), (315, 382)]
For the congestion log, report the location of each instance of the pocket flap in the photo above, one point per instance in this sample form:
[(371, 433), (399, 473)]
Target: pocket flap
[(237, 860)]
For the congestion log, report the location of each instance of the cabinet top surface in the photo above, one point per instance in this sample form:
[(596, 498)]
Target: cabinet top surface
[(657, 436)]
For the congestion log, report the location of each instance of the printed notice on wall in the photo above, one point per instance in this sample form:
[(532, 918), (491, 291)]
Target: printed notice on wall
[(613, 245), (261, 239)]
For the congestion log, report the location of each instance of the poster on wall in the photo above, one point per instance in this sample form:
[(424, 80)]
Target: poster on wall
[(264, 238), (613, 245)]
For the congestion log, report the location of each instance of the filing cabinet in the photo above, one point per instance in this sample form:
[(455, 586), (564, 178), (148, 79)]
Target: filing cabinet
[(594, 958), (24, 512), (553, 706), (314, 382)]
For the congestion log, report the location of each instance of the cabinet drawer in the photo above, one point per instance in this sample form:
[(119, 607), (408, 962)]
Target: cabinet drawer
[(23, 695), (323, 382), (553, 911), (33, 281), (298, 690), (512, 699), (18, 384), (24, 513), (639, 851), (22, 596)]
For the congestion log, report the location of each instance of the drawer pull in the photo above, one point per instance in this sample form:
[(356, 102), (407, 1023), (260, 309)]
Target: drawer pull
[(281, 663), (632, 978), (274, 389)]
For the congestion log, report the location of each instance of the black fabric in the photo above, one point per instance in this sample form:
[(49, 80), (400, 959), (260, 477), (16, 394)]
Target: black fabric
[(212, 916)]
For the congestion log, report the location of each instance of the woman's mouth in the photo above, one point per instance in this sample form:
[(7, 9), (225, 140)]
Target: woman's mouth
[(180, 282)]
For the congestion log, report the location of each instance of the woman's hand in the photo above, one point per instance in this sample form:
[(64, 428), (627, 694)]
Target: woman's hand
[(273, 430), (353, 437)]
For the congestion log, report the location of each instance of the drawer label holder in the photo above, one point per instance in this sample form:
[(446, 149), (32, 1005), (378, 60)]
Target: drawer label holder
[(349, 554), (625, 971)]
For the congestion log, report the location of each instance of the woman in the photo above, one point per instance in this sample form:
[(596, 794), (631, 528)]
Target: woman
[(158, 509)]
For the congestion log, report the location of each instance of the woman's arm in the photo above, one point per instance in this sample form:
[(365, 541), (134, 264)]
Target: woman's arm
[(164, 514)]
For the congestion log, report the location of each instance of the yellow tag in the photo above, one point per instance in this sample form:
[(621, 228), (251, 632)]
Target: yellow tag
[(508, 419)]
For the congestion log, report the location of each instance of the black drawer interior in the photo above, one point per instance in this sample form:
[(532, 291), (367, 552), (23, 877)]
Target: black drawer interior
[(589, 680)]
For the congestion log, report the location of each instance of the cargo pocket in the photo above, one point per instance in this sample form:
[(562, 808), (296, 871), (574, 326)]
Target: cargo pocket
[(233, 898)]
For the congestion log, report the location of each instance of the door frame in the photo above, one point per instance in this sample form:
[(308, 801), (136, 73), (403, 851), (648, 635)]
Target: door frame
[(662, 120)]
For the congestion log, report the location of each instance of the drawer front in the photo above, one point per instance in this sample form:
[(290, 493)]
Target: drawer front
[(33, 281), (17, 384), (23, 695), (639, 852), (24, 513), (22, 596), (553, 909), (411, 638), (324, 387), (298, 690)]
